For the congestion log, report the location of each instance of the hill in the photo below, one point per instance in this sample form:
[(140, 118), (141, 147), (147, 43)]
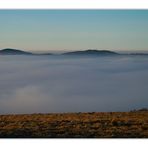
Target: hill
[(92, 52), (89, 52), (9, 51)]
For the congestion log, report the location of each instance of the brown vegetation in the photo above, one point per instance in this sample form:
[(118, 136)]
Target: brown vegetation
[(76, 125)]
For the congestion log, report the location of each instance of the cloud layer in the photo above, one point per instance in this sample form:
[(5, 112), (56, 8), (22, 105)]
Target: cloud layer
[(41, 84)]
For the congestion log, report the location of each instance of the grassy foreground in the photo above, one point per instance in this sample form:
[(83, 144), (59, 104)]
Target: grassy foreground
[(76, 125)]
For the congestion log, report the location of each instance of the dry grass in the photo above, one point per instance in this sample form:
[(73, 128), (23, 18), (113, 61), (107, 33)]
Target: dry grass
[(76, 125)]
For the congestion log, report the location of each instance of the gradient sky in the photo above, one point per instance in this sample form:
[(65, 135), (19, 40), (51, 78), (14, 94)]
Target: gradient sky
[(57, 30)]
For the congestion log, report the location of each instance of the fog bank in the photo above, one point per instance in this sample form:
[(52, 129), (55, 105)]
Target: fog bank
[(41, 84)]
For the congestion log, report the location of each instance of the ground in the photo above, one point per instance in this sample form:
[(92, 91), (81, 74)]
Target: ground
[(76, 125)]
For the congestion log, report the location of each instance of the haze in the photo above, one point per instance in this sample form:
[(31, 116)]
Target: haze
[(42, 84)]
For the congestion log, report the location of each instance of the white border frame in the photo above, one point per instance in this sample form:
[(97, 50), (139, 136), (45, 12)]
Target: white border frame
[(73, 4)]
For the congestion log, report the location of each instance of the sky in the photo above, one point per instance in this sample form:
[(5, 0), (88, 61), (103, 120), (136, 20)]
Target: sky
[(58, 30)]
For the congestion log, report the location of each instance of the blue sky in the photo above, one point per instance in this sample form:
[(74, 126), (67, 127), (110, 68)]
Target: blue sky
[(58, 30)]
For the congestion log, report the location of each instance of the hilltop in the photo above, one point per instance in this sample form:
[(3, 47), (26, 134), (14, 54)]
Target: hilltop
[(92, 52), (89, 52), (9, 51)]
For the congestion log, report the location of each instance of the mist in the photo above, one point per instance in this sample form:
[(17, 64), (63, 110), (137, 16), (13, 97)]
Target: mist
[(49, 84)]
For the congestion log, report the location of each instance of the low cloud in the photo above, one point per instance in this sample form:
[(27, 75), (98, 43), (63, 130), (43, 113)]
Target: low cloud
[(40, 84)]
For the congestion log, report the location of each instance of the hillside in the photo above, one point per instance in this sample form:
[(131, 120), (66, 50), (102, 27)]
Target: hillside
[(9, 51), (76, 125), (92, 52), (89, 52)]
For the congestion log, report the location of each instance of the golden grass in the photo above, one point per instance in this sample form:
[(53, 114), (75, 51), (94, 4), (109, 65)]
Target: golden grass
[(76, 125)]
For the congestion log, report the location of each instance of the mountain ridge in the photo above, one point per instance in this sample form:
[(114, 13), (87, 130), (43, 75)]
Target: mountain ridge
[(88, 52), (91, 52), (10, 51)]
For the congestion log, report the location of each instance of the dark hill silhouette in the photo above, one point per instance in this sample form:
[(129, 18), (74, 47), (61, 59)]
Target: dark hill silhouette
[(9, 51), (89, 52), (92, 52)]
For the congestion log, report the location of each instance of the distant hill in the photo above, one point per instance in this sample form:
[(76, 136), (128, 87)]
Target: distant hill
[(92, 52), (9, 51), (89, 52)]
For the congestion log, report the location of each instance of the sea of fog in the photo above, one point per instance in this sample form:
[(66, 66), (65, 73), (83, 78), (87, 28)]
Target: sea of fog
[(43, 84)]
